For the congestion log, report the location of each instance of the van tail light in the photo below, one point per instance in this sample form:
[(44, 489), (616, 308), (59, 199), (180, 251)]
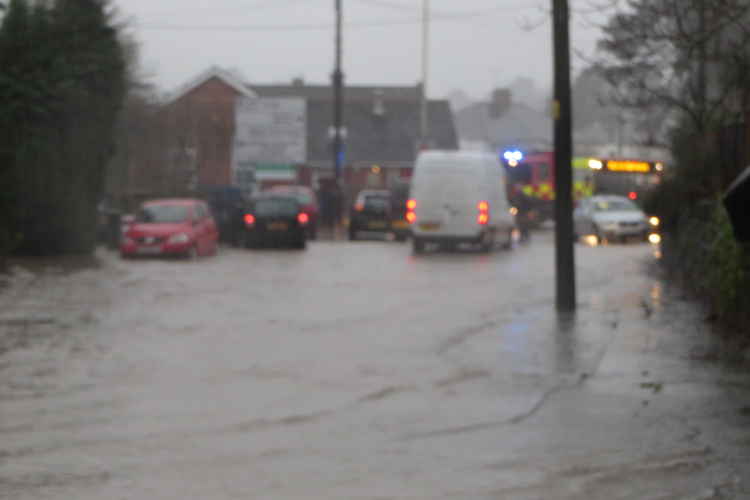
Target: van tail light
[(484, 213), (249, 220), (633, 195), (359, 207), (411, 214), (303, 218)]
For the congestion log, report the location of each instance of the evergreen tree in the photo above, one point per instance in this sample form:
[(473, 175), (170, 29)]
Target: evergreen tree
[(62, 86)]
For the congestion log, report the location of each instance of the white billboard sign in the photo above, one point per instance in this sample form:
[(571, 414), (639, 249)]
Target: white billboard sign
[(269, 131)]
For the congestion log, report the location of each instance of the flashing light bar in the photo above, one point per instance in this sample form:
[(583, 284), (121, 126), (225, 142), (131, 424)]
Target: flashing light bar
[(513, 156)]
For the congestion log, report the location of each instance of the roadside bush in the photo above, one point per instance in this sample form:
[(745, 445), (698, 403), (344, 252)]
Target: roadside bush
[(701, 254), (727, 269)]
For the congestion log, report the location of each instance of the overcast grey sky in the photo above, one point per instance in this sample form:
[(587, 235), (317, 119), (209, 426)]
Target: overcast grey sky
[(475, 44)]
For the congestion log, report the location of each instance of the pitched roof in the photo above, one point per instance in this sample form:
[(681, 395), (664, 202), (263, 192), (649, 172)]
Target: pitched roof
[(519, 126), (351, 92), (372, 136), (388, 137), (212, 72)]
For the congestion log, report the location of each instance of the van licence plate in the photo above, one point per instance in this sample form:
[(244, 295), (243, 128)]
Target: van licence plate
[(429, 226), (379, 224)]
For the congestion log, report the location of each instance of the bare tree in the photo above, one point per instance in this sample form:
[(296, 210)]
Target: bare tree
[(683, 55)]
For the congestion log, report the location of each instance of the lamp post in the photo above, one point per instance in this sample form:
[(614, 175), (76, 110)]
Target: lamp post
[(338, 97), (424, 131)]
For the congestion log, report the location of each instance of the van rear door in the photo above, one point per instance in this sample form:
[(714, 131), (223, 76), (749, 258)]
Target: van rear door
[(447, 197)]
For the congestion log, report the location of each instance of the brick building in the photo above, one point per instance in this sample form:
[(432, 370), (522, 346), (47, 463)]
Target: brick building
[(382, 124), (200, 118)]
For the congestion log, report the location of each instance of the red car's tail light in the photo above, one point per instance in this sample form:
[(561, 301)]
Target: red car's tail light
[(303, 218), (249, 220), (411, 205), (411, 217)]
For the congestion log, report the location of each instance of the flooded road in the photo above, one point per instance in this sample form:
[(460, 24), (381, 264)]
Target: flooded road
[(357, 370)]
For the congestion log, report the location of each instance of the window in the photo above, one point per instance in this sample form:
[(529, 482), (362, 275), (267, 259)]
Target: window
[(163, 213), (614, 206), (276, 206), (544, 172), (377, 203), (200, 211)]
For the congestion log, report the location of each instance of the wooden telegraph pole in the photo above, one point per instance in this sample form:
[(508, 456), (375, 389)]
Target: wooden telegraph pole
[(564, 252)]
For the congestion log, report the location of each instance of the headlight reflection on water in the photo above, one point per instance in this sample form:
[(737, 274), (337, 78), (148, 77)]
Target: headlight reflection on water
[(591, 240)]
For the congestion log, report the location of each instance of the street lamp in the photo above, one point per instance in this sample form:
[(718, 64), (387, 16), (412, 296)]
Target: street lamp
[(338, 118), (424, 131)]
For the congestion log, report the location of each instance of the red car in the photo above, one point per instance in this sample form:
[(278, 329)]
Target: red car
[(178, 227), (309, 202)]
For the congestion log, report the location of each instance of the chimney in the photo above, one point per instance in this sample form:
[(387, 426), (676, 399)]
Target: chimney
[(500, 102), (298, 82), (378, 105)]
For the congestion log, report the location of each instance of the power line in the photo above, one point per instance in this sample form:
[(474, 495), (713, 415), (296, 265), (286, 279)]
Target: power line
[(457, 16), (390, 5), (256, 6), (398, 6)]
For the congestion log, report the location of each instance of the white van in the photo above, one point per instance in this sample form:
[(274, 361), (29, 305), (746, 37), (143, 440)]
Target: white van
[(459, 197)]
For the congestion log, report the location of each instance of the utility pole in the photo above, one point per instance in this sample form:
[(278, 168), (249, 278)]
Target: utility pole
[(424, 130), (338, 97), (564, 252)]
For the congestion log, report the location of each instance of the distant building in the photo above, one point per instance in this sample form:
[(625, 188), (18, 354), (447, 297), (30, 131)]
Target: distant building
[(381, 127), (381, 123), (501, 123)]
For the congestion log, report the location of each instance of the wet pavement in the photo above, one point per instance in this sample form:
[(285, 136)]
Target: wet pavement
[(357, 370)]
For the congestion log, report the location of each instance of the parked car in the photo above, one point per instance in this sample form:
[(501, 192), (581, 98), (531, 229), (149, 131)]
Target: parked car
[(371, 212), (610, 217), (179, 227), (459, 197), (225, 203), (275, 219), (309, 201)]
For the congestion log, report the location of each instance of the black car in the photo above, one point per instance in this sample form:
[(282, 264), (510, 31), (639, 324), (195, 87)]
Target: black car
[(371, 212), (273, 219)]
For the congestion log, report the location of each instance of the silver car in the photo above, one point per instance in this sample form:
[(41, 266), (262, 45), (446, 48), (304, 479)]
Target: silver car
[(610, 217)]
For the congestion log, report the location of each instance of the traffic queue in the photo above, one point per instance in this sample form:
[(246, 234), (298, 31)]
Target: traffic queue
[(455, 198)]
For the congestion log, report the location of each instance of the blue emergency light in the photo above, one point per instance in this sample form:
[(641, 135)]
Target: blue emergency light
[(513, 155)]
